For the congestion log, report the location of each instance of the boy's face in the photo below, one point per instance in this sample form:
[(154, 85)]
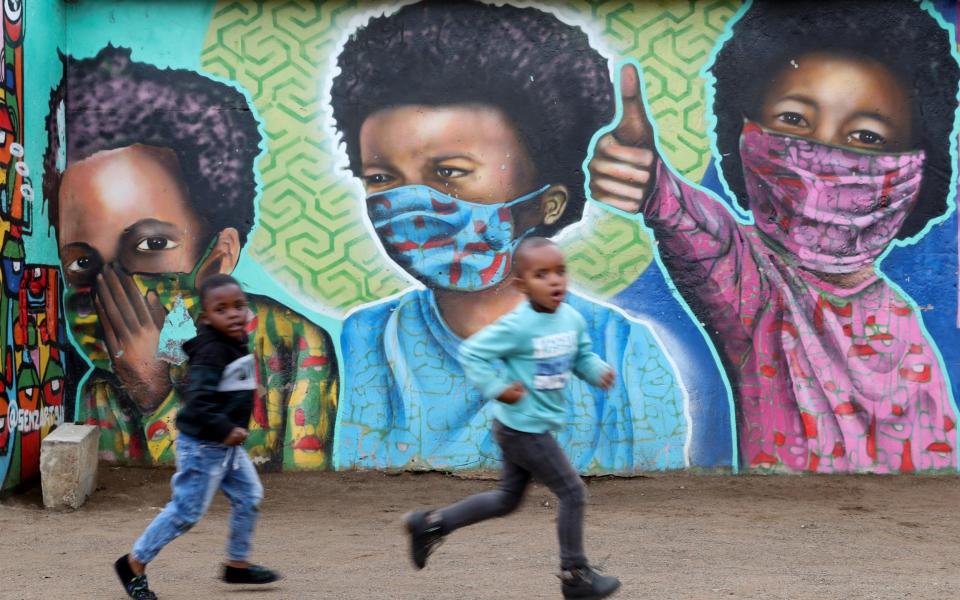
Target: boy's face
[(126, 206), (542, 276), (225, 309), (468, 151), (838, 100)]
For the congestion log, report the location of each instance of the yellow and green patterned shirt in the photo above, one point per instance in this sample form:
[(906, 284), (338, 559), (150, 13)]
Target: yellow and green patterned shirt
[(294, 409)]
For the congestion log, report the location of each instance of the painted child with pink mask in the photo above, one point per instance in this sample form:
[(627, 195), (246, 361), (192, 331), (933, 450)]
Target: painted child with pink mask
[(833, 125)]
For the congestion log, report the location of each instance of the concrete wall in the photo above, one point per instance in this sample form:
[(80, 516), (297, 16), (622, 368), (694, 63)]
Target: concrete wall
[(795, 310)]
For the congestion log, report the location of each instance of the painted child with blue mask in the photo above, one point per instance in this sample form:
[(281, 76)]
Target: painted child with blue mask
[(460, 164)]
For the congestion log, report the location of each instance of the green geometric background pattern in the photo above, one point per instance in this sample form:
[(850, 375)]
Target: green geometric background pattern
[(311, 233)]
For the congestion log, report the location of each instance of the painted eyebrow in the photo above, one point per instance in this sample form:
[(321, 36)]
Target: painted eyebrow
[(801, 99), (462, 155), (376, 165), (81, 246), (149, 222), (870, 114)]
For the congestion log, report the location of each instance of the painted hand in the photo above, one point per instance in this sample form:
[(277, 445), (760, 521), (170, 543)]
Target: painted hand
[(131, 325), (624, 161), (607, 379), (512, 394)]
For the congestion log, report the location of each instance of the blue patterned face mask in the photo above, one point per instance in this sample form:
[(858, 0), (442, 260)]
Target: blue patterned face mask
[(446, 242)]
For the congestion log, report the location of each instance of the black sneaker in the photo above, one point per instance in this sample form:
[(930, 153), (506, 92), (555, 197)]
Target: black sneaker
[(252, 575), (425, 537), (586, 584), (135, 585)]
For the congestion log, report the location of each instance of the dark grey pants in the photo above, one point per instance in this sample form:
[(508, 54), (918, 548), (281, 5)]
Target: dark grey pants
[(527, 455)]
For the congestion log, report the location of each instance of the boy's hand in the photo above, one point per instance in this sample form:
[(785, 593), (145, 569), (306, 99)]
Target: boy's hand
[(624, 160), (236, 437), (512, 394), (607, 379)]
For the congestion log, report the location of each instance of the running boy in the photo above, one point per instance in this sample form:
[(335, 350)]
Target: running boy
[(539, 343), (213, 424)]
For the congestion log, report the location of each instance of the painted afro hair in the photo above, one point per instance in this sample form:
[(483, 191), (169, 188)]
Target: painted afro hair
[(539, 71), (897, 33), (111, 101)]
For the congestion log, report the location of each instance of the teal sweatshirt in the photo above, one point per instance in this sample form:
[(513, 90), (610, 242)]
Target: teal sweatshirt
[(539, 350)]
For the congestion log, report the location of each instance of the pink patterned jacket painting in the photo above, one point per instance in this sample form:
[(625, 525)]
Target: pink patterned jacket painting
[(825, 378)]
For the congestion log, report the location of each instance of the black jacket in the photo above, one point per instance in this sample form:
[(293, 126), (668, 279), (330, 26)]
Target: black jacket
[(221, 380)]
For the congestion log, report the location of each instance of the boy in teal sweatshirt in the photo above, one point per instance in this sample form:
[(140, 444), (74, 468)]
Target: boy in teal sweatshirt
[(524, 361)]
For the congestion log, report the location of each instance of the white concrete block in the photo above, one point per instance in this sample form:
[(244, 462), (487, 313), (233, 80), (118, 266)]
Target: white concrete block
[(68, 465)]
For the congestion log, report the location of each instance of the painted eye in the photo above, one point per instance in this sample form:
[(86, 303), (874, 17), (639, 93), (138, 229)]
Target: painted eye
[(793, 119), (865, 136), (377, 179), (156, 243), (80, 265), (450, 172)]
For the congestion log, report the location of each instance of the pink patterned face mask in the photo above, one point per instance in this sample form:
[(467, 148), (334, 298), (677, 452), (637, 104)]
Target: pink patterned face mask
[(834, 210)]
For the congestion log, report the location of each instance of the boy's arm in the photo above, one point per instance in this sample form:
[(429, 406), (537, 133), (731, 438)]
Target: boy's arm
[(480, 353), (588, 366), (201, 400)]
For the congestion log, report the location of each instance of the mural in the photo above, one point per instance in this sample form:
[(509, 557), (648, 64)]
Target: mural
[(757, 202), (32, 355), (848, 146), (146, 204)]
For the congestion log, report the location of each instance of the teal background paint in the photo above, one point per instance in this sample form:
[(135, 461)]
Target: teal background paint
[(44, 33), (165, 33)]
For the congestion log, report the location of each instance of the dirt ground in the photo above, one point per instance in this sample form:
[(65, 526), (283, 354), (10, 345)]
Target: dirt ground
[(337, 536)]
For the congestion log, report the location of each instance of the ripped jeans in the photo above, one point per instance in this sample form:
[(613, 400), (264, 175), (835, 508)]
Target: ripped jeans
[(202, 468)]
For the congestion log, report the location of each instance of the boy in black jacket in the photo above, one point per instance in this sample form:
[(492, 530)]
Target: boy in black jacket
[(212, 425)]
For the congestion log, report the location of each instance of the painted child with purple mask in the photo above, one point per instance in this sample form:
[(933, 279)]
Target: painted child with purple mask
[(831, 366)]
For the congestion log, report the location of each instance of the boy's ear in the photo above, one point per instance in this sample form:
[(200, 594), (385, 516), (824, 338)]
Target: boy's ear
[(223, 257), (520, 283), (553, 203)]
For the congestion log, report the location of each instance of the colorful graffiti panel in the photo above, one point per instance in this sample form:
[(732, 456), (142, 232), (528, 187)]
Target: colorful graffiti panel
[(33, 357)]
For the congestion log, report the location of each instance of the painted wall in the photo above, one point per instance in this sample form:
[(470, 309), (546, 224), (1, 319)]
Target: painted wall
[(366, 169), (33, 349)]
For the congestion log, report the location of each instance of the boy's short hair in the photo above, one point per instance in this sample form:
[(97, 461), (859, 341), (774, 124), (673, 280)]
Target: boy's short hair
[(528, 244), (539, 71), (899, 34), (212, 282), (110, 101)]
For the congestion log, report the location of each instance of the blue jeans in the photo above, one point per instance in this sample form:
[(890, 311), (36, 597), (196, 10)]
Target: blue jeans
[(202, 468)]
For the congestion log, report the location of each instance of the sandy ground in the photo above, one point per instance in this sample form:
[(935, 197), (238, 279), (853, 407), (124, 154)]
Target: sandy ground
[(337, 535)]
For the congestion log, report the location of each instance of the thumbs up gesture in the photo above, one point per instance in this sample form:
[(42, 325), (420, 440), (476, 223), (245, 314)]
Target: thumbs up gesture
[(624, 161)]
